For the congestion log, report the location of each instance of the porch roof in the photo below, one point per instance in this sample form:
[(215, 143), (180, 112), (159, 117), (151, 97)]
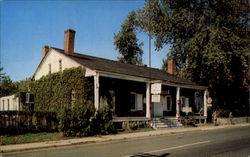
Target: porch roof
[(106, 65)]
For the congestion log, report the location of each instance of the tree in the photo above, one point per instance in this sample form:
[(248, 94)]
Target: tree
[(6, 85), (164, 66), (210, 42), (126, 42)]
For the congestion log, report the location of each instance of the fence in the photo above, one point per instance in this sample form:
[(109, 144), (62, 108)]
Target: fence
[(235, 120), (16, 122)]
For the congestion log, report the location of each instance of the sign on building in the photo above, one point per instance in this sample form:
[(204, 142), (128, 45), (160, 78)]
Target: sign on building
[(156, 88), (187, 109), (156, 98)]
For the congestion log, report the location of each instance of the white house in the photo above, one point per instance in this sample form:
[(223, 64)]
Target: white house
[(128, 86), (10, 103)]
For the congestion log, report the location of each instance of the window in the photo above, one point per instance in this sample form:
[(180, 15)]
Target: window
[(49, 68), (73, 97), (14, 105), (60, 65), (3, 104), (169, 103), (184, 102), (132, 101), (8, 104), (136, 101)]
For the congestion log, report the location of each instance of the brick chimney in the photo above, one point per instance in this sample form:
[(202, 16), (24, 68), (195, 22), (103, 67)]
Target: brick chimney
[(45, 50), (171, 65), (69, 38)]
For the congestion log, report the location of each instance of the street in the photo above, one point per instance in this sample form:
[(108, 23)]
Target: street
[(226, 142)]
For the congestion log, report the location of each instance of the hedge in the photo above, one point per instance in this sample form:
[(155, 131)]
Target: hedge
[(17, 122)]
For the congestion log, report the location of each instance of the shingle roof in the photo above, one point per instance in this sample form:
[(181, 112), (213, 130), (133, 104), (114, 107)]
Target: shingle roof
[(106, 65)]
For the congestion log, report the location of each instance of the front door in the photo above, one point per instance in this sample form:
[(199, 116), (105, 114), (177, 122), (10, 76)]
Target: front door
[(158, 109), (167, 103)]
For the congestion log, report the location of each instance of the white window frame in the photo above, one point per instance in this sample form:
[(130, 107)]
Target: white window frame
[(8, 104), (50, 68), (14, 104), (60, 64), (73, 97), (138, 103), (3, 104)]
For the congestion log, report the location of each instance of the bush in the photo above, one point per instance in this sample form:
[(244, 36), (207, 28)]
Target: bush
[(223, 113), (75, 121), (189, 121), (137, 125), (18, 122), (82, 120), (102, 123)]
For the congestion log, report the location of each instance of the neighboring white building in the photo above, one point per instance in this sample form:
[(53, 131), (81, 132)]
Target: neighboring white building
[(10, 103)]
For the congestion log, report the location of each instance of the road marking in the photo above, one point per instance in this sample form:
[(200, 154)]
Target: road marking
[(170, 148), (176, 147), (213, 128)]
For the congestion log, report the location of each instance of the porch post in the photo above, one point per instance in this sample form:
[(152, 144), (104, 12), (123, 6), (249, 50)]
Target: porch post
[(178, 102), (205, 103), (96, 90), (148, 111)]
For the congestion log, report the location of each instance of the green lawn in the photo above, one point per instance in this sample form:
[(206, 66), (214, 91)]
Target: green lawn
[(41, 137), (31, 137)]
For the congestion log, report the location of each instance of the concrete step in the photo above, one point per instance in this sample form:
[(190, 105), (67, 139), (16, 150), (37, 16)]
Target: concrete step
[(162, 123)]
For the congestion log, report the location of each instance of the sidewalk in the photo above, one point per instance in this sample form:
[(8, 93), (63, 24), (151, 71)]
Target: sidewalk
[(105, 138)]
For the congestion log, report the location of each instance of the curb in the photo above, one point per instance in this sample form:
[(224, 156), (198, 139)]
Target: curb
[(106, 138)]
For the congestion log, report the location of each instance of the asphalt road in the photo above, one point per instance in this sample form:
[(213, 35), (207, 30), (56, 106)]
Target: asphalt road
[(228, 142)]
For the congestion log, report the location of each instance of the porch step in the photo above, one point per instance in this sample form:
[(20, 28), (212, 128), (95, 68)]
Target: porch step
[(163, 123)]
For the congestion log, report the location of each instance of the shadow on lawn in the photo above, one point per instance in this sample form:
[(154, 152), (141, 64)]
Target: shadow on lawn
[(149, 155)]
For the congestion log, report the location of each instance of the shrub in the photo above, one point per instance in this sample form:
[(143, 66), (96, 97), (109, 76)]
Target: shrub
[(137, 125), (223, 113), (189, 121), (17, 122), (82, 120), (102, 123), (75, 120)]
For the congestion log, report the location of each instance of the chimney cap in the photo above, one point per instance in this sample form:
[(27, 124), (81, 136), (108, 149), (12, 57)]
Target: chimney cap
[(45, 46), (70, 30), (45, 50)]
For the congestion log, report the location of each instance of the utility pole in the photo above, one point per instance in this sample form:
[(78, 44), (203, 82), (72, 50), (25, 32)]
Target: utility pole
[(149, 64)]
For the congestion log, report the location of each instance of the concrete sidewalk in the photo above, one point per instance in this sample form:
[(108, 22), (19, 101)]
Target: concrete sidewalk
[(105, 138)]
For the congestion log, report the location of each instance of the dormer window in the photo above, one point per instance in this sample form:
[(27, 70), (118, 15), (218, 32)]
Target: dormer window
[(60, 65)]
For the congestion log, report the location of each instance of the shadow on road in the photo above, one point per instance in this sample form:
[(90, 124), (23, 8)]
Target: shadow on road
[(149, 155)]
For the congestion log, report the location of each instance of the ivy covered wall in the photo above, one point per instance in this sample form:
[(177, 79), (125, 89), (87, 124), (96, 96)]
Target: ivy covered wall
[(54, 91)]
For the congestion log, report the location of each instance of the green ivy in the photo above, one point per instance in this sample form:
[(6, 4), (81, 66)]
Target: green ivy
[(77, 117), (54, 91)]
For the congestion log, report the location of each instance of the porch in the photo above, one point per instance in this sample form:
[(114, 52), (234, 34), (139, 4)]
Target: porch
[(133, 100)]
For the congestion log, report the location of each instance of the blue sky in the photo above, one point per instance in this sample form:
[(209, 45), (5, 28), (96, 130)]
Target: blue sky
[(26, 26)]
